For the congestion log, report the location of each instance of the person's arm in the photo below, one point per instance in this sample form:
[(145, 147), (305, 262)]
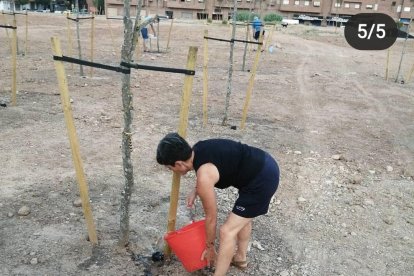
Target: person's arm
[(207, 177), (153, 30)]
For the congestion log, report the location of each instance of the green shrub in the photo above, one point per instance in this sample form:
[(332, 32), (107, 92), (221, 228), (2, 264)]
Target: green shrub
[(272, 17), (209, 20), (224, 22), (245, 16)]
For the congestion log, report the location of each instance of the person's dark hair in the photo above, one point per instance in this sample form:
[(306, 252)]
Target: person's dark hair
[(173, 148)]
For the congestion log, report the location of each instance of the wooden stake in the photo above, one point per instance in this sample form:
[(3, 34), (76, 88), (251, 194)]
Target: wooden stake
[(14, 64), (205, 79), (17, 38), (251, 82), (169, 34), (182, 131), (92, 41), (73, 140)]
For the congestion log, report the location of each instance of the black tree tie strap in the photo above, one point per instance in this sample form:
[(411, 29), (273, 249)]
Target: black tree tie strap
[(93, 64), (8, 27), (155, 68)]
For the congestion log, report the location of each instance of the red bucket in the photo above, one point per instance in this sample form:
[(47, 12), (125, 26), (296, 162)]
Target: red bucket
[(188, 243)]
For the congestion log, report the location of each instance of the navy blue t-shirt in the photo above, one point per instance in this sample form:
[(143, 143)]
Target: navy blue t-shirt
[(237, 163)]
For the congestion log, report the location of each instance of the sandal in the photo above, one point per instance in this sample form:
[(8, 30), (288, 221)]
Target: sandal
[(242, 265)]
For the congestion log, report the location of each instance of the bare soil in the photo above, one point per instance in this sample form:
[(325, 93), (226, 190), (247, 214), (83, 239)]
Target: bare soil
[(342, 134)]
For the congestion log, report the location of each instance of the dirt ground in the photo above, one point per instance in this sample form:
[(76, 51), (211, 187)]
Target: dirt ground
[(342, 134)]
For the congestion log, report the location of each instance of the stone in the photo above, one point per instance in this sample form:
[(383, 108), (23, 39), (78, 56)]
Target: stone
[(77, 202), (10, 214), (390, 169), (257, 245), (336, 157), (23, 211), (298, 152), (301, 199), (33, 261), (284, 273)]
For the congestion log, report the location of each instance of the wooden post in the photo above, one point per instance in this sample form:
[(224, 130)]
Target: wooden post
[(182, 131), (387, 63), (205, 79), (26, 44), (251, 82), (14, 64), (169, 34), (15, 25), (73, 140), (92, 41)]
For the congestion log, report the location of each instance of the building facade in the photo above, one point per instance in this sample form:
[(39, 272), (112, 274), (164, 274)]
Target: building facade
[(222, 9)]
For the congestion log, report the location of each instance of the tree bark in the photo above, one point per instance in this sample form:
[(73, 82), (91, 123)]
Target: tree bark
[(229, 80), (127, 104)]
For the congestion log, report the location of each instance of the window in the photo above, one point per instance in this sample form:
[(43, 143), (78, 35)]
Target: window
[(337, 5), (306, 3), (346, 5), (407, 9), (296, 3), (399, 8), (357, 6), (368, 7), (285, 2), (316, 4), (393, 4)]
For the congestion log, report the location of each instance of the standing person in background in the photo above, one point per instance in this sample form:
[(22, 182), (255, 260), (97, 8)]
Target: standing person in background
[(144, 34), (221, 163), (257, 27)]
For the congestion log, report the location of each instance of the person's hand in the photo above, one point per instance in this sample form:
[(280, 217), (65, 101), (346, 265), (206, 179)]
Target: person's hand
[(210, 255), (191, 198)]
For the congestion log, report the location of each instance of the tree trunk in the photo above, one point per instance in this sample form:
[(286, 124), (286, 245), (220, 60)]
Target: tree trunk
[(229, 81), (127, 105)]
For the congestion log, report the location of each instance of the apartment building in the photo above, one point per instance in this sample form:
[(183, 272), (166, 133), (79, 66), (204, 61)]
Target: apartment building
[(323, 10)]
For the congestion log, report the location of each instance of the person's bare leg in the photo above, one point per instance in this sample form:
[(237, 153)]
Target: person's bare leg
[(243, 238), (228, 238)]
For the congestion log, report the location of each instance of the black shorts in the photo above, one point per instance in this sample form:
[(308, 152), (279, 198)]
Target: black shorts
[(254, 199), (257, 34)]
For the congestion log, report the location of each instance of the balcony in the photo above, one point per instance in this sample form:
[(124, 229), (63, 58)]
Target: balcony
[(187, 4)]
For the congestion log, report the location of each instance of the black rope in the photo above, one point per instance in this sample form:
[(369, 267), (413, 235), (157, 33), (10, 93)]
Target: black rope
[(218, 39), (233, 40), (8, 27), (73, 19), (155, 68), (79, 18), (93, 64), (245, 41)]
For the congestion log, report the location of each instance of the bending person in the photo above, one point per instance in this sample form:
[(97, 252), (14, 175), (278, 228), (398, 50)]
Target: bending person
[(221, 163)]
